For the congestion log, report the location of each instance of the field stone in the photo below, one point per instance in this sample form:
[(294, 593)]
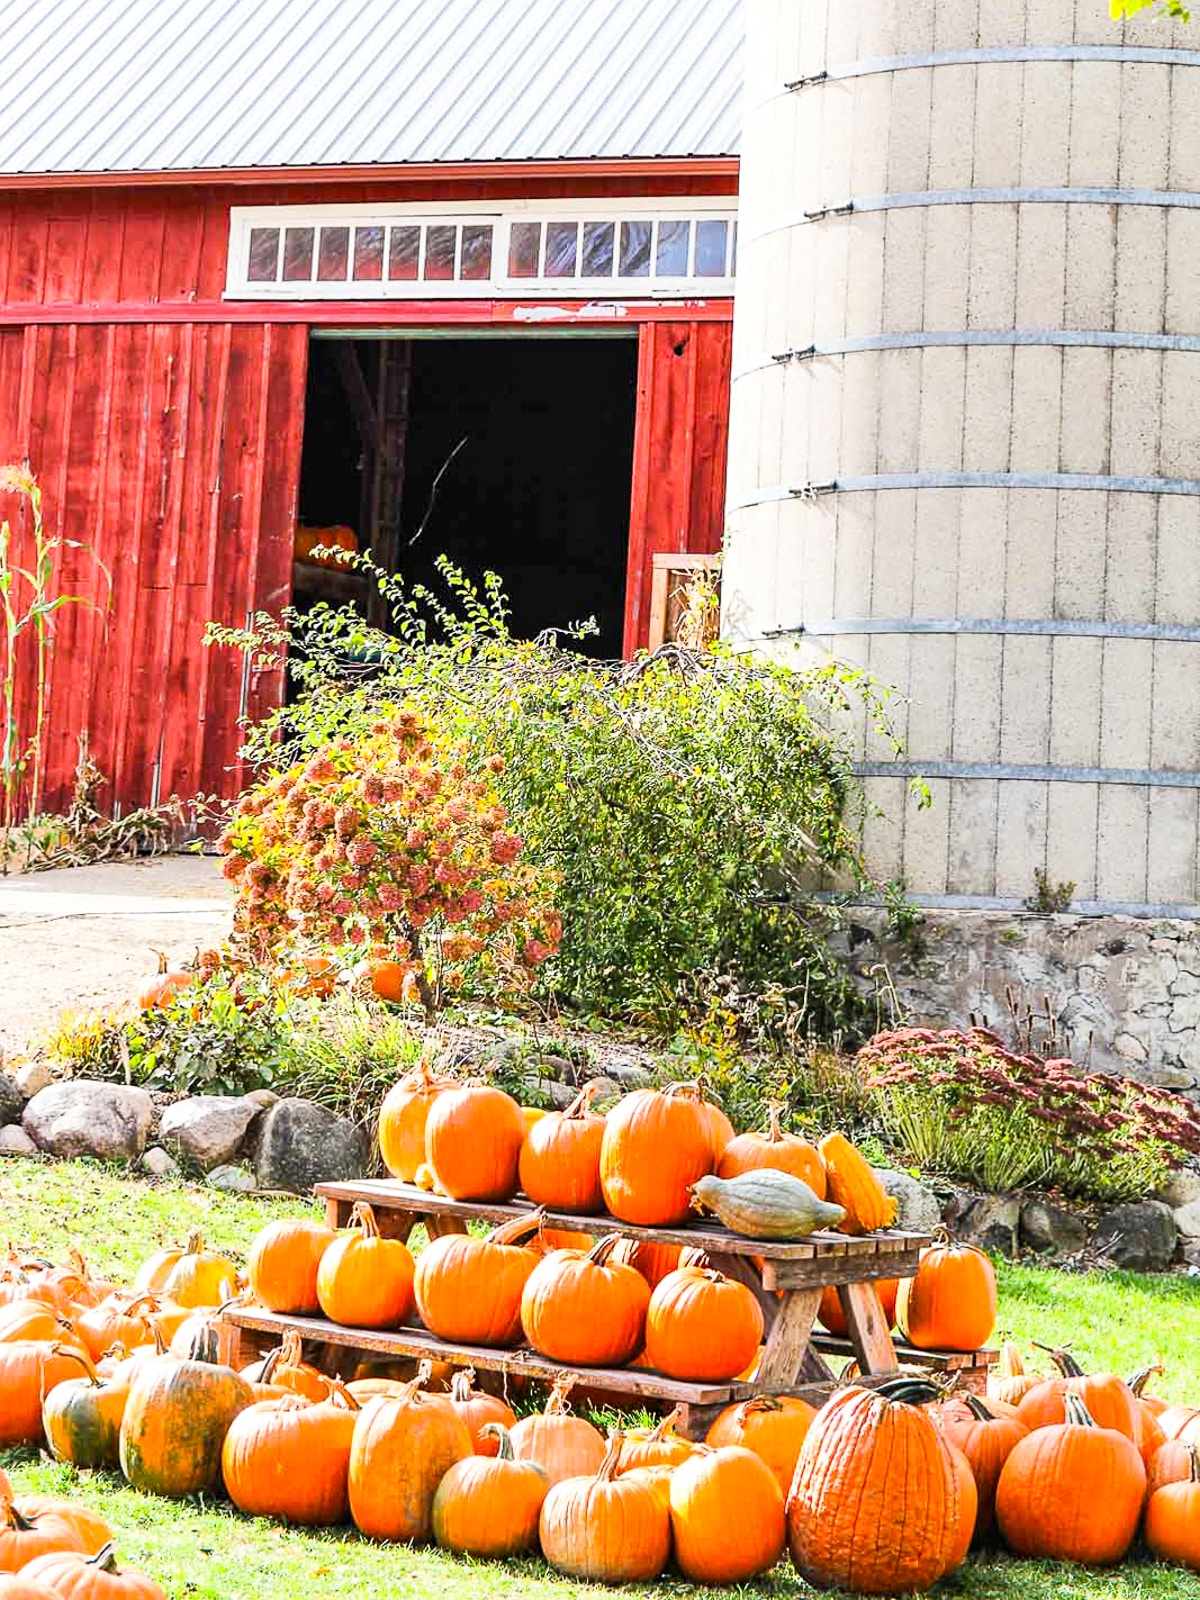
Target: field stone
[(1045, 1226), (14, 1141), (919, 1209), (1187, 1219), (158, 1163), (297, 1144), (208, 1128), (1180, 1189), (604, 1092), (991, 1221), (628, 1075), (1140, 1236), (109, 1121), (261, 1099), (12, 1101), (33, 1077), (232, 1180)]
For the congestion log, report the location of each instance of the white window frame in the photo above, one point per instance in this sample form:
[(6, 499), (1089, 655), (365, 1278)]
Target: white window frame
[(501, 216)]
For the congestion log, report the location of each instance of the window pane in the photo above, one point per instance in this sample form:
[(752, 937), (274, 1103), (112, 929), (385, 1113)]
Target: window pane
[(439, 253), (368, 253), (635, 250), (598, 240), (264, 255), (405, 253), (334, 256), (524, 243), (561, 249), (671, 259), (710, 249), (733, 254), (298, 254), (476, 251)]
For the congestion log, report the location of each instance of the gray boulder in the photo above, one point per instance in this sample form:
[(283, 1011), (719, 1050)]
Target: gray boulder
[(14, 1141), (109, 1121), (1180, 1189), (919, 1209), (1140, 1236), (207, 1129), (1187, 1219), (628, 1075), (297, 1144), (32, 1078), (232, 1180), (991, 1221), (159, 1164), (1052, 1229), (12, 1101)]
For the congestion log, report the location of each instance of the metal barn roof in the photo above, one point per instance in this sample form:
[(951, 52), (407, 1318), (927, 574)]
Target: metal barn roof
[(93, 86)]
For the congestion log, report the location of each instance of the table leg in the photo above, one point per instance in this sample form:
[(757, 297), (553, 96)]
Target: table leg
[(439, 1227), (868, 1329), (787, 1346), (337, 1213)]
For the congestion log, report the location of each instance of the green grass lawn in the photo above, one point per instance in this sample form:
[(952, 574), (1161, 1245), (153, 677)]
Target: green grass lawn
[(203, 1550)]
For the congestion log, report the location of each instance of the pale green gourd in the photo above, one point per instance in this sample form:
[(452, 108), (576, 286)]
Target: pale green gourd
[(765, 1204)]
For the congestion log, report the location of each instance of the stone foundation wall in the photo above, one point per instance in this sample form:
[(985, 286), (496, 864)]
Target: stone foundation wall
[(1125, 988)]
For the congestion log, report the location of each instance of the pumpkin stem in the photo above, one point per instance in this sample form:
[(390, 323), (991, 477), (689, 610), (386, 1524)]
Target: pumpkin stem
[(519, 1229), (1143, 1375), (977, 1408), (774, 1133), (1193, 1464), (603, 1248), (162, 960), (76, 1353), (910, 1391), (1077, 1412), (661, 1428), (582, 1102), (497, 1430), (363, 1217), (612, 1457), (412, 1389), (942, 1236), (17, 1519), (685, 1091), (1063, 1360), (1011, 1363), (105, 1560), (194, 1245), (340, 1395), (266, 1367), (556, 1404), (462, 1383)]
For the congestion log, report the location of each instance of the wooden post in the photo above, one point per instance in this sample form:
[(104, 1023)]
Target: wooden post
[(787, 1345), (867, 1327)]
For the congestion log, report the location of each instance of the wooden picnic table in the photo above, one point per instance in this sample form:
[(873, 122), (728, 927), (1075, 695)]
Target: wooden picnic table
[(786, 1278)]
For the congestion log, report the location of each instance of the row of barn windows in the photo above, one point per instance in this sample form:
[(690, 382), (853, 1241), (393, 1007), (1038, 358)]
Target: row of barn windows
[(554, 250)]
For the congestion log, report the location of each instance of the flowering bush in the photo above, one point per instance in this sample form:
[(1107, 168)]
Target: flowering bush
[(389, 846), (962, 1104)]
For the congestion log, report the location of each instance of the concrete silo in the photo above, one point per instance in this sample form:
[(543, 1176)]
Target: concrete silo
[(965, 446)]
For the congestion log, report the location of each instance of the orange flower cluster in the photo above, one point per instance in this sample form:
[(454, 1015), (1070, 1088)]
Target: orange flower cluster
[(389, 847)]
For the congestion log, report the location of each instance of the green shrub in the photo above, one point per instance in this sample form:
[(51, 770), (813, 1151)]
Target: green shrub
[(690, 802), (962, 1104)]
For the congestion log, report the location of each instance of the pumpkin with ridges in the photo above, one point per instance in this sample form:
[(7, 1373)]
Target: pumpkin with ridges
[(773, 1426), (283, 1264), (473, 1139), (851, 1183), (468, 1290), (82, 1416), (402, 1449), (563, 1445), (365, 1280), (951, 1302), (701, 1326), (175, 1422), (481, 1412), (727, 1516), (402, 1119), (290, 1458), (749, 1152), (98, 1577), (559, 1165), (656, 1145), (489, 1504), (583, 1310), (613, 1529)]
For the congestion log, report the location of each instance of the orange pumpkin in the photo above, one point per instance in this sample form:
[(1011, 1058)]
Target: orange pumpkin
[(1008, 1381), (402, 1449), (773, 1426), (701, 1326), (1173, 1519), (987, 1440), (1108, 1399), (402, 1118), (727, 1516), (290, 1458), (951, 1302), (489, 1505), (175, 1422), (284, 1368), (851, 1183), (656, 1144), (82, 1577), (468, 1290), (473, 1139), (659, 1446), (1072, 1491), (309, 540), (94, 1533), (29, 1370), (25, 1535), (878, 1505), (652, 1260), (364, 1280), (613, 1529), (559, 1164), (82, 1416), (283, 1264), (479, 1411), (584, 1310), (1172, 1463), (14, 1587), (563, 1445), (774, 1148), (157, 993)]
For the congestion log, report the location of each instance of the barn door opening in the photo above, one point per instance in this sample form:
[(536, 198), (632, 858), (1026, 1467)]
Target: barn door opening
[(510, 454)]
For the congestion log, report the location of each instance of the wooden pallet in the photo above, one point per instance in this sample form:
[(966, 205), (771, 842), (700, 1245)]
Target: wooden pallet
[(969, 1368)]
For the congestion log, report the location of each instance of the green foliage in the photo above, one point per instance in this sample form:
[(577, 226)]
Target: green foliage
[(1047, 897), (690, 801), (350, 1055), (1119, 9), (961, 1104)]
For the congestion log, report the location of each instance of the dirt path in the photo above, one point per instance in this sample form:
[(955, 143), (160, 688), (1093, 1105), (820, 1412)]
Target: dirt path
[(82, 938)]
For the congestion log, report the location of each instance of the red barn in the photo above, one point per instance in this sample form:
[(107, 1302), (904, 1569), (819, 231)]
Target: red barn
[(455, 273)]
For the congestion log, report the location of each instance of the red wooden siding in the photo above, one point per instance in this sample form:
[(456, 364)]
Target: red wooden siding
[(173, 451), (678, 453)]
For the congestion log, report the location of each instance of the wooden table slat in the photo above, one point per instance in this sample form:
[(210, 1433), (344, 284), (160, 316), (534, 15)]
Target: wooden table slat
[(418, 1342), (390, 1194), (944, 1360)]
